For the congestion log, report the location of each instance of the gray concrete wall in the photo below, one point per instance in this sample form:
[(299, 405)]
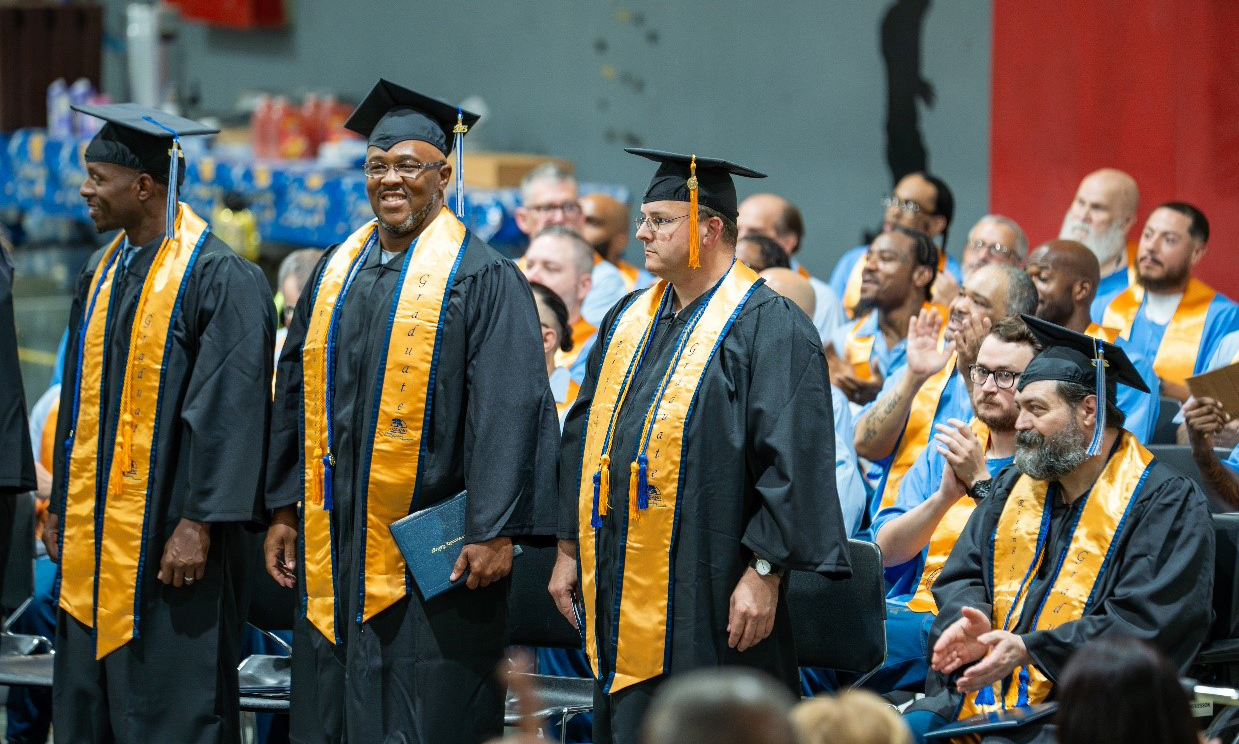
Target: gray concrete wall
[(795, 88)]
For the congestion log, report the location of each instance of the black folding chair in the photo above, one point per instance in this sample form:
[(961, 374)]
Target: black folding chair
[(534, 620), (266, 679), (1179, 457), (1165, 431), (18, 588), (841, 623)]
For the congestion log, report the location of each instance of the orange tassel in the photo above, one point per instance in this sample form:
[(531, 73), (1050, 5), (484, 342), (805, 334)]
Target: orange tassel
[(604, 486), (632, 495), (694, 238)]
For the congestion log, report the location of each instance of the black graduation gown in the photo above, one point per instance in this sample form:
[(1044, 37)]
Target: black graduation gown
[(1159, 586), (423, 671), (177, 681), (758, 477), (16, 456)]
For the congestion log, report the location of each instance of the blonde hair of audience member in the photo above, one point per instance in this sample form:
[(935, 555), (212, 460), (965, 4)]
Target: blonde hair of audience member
[(851, 717), (549, 196), (793, 286)]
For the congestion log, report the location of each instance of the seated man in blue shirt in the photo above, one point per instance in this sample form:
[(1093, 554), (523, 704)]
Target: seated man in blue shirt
[(917, 533)]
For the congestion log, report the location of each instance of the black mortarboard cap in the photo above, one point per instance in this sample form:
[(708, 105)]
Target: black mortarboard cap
[(715, 188), (1070, 356), (391, 113), (138, 137)]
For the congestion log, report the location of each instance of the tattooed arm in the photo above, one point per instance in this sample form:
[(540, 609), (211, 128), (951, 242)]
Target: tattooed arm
[(879, 427)]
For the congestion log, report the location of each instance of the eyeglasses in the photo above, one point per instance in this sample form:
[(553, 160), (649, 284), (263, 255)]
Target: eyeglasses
[(406, 169), (656, 223), (565, 207), (905, 205), (994, 249), (1003, 378)]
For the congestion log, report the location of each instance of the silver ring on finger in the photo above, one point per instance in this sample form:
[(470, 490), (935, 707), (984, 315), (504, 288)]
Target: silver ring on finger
[(189, 579)]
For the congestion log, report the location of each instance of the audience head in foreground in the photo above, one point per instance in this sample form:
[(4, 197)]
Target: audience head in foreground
[(1122, 689), (851, 717), (720, 706)]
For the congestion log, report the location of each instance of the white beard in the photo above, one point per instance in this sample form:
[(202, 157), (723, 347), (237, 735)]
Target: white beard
[(1106, 246)]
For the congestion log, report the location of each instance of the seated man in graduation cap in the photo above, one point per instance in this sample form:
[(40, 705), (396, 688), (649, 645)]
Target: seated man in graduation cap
[(1087, 536), (698, 464), (413, 370), (163, 422)]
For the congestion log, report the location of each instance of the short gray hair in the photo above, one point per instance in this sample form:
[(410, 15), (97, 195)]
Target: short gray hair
[(720, 706), (1021, 292), (730, 232), (298, 265), (1021, 240), (548, 171), (582, 251)]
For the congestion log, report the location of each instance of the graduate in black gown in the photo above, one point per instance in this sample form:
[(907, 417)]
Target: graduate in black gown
[(166, 386), (1086, 535), (386, 665), (16, 457), (699, 581)]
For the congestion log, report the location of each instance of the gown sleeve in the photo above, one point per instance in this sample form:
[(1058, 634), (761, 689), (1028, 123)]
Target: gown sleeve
[(284, 466), (511, 422), (790, 446), (234, 325), (1164, 589), (16, 455)]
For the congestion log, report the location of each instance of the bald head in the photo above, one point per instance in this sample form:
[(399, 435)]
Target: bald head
[(1066, 274), (606, 225), (793, 286), (1102, 214), (774, 217)]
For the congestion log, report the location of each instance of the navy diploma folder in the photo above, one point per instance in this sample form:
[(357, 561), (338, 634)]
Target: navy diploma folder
[(430, 540)]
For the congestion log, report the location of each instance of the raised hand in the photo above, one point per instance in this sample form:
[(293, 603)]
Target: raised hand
[(925, 359)]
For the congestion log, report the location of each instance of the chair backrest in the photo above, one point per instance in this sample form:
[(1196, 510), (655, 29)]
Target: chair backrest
[(533, 618), (18, 564), (1226, 577), (841, 623), (1179, 457), (1165, 430)]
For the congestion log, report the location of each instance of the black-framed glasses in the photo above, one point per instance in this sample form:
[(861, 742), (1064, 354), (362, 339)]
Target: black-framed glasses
[(905, 205), (999, 250), (405, 169), (1003, 378), (657, 224)]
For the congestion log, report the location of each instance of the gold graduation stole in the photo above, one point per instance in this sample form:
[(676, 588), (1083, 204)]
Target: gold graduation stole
[(944, 537), (1101, 332), (654, 477), (858, 350), (1019, 550), (406, 380), (851, 290), (1176, 356), (919, 427), (582, 330), (103, 543)]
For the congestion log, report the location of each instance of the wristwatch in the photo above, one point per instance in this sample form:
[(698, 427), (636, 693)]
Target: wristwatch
[(980, 490), (764, 567)]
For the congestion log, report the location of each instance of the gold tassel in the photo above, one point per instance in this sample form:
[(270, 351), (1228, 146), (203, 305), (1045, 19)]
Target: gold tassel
[(604, 486), (633, 513), (694, 238)]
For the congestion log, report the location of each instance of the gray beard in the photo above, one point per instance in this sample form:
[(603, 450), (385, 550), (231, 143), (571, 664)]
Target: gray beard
[(1050, 458), (410, 223)]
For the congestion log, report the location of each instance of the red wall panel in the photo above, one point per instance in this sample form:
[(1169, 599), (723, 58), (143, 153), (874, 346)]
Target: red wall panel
[(1148, 86)]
